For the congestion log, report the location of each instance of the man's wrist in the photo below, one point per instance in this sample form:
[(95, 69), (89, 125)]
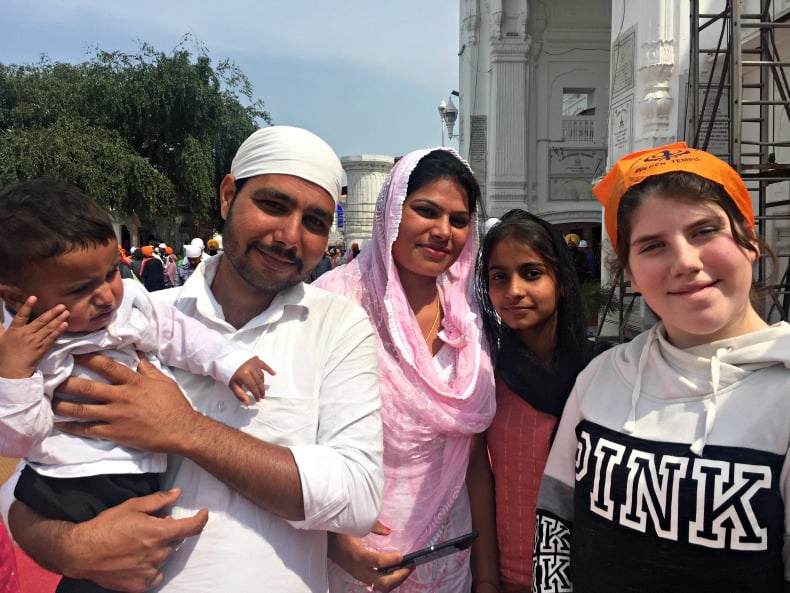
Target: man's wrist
[(193, 433), (50, 552)]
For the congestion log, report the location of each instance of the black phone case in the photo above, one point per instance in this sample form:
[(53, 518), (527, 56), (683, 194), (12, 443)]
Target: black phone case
[(445, 548)]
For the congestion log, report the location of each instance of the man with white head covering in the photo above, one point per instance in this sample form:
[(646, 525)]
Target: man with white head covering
[(192, 257), (591, 268), (488, 224), (198, 243), (274, 477)]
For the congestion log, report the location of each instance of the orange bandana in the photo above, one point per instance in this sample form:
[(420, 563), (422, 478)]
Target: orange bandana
[(634, 168)]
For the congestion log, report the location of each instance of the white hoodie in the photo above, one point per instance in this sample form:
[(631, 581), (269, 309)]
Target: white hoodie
[(669, 471)]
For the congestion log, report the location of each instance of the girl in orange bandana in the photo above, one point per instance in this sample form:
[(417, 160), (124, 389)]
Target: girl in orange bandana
[(670, 468)]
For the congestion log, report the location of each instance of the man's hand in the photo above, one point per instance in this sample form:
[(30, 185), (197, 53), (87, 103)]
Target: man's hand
[(122, 548), (23, 344), (144, 409)]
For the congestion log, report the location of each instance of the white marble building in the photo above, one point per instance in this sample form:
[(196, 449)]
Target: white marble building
[(552, 92), (534, 92)]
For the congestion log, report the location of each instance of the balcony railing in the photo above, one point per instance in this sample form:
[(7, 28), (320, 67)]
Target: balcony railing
[(578, 130)]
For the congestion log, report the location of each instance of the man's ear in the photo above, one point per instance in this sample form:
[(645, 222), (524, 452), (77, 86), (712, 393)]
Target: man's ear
[(227, 191), (14, 296)]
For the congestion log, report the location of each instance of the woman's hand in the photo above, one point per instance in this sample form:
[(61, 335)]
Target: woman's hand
[(358, 561)]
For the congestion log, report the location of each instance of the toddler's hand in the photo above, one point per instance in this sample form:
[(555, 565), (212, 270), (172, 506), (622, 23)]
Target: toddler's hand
[(24, 344), (248, 379)]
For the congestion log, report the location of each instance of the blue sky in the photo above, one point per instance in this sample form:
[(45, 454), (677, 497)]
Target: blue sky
[(366, 75)]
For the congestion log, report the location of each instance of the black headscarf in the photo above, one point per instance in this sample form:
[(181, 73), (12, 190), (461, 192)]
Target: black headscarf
[(544, 389)]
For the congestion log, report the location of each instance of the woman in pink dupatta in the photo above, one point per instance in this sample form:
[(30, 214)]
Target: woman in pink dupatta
[(415, 280)]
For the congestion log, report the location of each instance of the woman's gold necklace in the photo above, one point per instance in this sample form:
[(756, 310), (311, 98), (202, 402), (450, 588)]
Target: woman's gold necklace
[(435, 321)]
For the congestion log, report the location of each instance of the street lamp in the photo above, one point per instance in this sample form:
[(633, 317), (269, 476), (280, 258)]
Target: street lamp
[(448, 113)]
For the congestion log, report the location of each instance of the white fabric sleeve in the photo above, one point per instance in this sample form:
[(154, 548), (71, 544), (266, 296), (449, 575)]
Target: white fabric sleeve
[(25, 414), (561, 463), (551, 558), (342, 477), (785, 489), (187, 344)]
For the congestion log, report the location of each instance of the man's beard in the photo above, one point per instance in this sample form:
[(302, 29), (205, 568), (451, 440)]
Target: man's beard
[(258, 280), (238, 257)]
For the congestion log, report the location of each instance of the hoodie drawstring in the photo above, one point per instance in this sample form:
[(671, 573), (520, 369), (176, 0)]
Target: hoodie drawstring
[(628, 427), (710, 405)]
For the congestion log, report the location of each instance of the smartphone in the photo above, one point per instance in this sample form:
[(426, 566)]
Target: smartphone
[(445, 548)]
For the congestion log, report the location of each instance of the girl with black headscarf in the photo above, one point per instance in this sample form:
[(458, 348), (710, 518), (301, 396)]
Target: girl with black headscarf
[(532, 313)]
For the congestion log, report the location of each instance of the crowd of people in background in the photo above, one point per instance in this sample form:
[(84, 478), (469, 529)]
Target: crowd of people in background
[(332, 258), (436, 382), (158, 266)]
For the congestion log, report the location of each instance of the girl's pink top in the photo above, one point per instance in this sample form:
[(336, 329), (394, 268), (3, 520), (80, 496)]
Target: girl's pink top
[(518, 443)]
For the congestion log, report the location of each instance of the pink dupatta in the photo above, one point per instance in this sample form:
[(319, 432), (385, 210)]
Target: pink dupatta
[(428, 421)]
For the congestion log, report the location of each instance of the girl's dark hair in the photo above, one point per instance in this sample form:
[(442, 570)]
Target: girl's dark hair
[(684, 185), (43, 219), (442, 164), (547, 241)]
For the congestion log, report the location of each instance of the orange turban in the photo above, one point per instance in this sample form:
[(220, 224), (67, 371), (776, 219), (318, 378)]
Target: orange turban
[(147, 250), (635, 168)]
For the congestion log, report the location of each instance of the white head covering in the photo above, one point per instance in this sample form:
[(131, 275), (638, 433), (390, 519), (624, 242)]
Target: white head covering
[(286, 150), (192, 251), (583, 244), (488, 224), (198, 242)]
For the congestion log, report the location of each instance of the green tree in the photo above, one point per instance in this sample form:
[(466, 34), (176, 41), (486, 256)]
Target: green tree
[(140, 132)]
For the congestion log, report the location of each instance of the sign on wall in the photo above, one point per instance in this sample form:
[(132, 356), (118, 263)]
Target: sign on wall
[(571, 171), (623, 58), (622, 125)]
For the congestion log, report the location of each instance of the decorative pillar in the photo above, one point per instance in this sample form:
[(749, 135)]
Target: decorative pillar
[(656, 72), (507, 159), (471, 22), (365, 175)]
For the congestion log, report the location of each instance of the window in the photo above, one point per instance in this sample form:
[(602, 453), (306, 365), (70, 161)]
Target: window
[(577, 102), (578, 116)]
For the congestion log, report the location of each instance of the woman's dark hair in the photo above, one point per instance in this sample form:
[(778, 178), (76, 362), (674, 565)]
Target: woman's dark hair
[(547, 241), (43, 218), (442, 164), (683, 185)]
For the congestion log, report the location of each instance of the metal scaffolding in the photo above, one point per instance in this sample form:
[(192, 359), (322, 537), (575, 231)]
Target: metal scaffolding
[(739, 100), (738, 104)]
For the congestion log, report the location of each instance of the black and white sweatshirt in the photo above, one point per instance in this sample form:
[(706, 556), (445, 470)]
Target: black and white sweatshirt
[(670, 471)]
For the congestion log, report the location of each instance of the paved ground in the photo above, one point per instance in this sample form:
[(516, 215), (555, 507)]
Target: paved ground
[(32, 578), (6, 468)]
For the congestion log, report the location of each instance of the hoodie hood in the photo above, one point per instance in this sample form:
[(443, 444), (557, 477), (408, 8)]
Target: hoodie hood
[(658, 370)]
